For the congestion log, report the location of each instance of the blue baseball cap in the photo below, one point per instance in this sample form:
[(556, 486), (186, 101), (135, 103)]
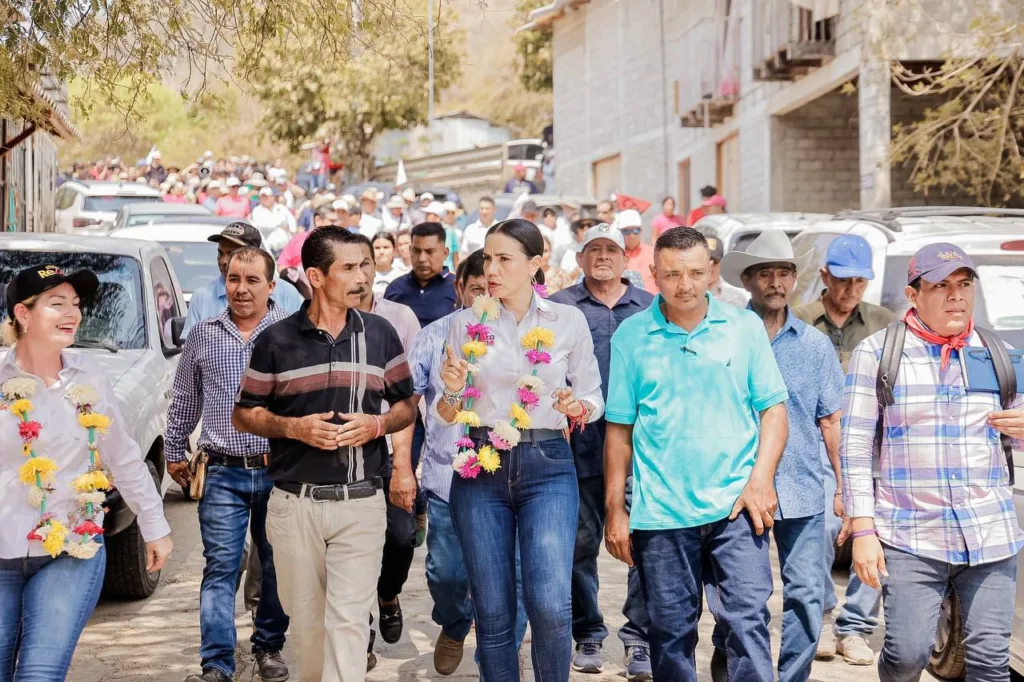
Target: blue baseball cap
[(936, 262), (849, 256)]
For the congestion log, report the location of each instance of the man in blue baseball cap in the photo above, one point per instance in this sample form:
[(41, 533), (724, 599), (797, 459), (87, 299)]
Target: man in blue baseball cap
[(843, 316)]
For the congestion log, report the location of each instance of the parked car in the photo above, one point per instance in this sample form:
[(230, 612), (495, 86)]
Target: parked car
[(193, 257), (148, 212), (83, 206), (132, 331)]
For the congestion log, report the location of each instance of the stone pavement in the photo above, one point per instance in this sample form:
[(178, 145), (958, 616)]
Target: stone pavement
[(157, 640)]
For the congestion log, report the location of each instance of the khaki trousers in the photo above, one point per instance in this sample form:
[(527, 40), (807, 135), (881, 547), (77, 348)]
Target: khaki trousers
[(327, 556)]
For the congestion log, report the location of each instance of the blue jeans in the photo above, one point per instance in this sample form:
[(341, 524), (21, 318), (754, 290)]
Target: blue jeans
[(534, 498), (673, 566), (235, 503), (859, 615), (448, 581), (587, 619), (801, 561), (45, 603), (914, 592)]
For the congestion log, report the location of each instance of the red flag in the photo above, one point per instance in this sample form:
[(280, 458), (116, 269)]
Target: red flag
[(625, 201)]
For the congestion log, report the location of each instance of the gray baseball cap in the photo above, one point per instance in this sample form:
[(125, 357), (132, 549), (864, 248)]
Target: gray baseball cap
[(604, 231)]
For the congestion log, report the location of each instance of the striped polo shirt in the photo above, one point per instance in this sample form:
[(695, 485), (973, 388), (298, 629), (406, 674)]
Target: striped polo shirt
[(297, 370)]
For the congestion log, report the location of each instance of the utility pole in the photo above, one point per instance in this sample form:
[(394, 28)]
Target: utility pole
[(430, 60)]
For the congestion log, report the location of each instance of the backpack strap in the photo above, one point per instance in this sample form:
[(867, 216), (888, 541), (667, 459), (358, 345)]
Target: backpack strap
[(1007, 379), (885, 381)]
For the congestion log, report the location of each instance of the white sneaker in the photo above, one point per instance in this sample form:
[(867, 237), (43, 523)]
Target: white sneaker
[(827, 639), (855, 650)]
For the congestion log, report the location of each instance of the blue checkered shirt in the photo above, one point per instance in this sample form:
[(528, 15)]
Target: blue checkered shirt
[(206, 384), (425, 360), (941, 487)]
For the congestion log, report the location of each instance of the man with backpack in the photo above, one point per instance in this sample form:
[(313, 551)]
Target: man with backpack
[(931, 415)]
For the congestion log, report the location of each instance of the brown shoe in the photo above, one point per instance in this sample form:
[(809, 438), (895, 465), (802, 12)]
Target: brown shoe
[(447, 654)]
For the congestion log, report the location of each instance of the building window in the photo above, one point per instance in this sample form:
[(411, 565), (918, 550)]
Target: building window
[(728, 166), (607, 176)]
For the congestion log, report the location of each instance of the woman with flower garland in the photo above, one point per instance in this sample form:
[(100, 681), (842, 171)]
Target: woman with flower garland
[(62, 446), (511, 360)]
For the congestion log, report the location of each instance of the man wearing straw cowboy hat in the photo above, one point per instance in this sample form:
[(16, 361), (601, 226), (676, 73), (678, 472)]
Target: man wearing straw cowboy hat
[(768, 269)]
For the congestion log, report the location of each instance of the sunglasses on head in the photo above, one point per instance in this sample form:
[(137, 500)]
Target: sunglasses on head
[(630, 230)]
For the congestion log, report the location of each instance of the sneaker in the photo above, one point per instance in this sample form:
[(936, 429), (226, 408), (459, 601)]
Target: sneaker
[(719, 666), (421, 529), (371, 661), (447, 654), (855, 650), (638, 664), (209, 675), (390, 624), (827, 639), (588, 658)]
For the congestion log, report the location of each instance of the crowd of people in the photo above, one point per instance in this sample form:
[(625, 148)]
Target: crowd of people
[(514, 394)]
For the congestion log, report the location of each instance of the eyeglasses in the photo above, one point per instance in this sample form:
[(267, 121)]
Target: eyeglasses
[(630, 230)]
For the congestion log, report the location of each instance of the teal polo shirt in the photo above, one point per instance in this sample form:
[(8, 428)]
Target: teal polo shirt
[(693, 400)]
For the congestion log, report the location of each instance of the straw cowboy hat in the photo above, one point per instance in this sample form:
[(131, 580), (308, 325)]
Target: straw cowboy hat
[(772, 246)]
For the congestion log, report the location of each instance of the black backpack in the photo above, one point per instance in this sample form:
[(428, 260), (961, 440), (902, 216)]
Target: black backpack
[(947, 660), (889, 370)]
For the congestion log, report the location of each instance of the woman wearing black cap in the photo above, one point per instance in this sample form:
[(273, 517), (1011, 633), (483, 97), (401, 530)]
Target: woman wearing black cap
[(62, 446)]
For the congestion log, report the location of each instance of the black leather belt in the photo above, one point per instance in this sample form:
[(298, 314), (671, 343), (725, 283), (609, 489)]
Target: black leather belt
[(333, 493), (526, 435), (240, 461)]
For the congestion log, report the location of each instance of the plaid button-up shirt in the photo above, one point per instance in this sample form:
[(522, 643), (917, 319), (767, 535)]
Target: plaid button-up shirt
[(206, 384), (942, 488)]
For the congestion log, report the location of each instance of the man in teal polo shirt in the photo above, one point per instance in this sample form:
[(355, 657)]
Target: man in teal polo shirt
[(695, 393)]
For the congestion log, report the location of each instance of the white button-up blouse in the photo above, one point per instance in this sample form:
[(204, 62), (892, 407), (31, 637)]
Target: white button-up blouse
[(572, 362), (65, 441)]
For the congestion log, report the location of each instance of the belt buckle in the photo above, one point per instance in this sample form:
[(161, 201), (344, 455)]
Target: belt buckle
[(260, 461)]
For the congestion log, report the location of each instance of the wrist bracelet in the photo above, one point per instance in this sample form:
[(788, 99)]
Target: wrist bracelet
[(864, 533), (838, 493), (452, 397), (380, 426)]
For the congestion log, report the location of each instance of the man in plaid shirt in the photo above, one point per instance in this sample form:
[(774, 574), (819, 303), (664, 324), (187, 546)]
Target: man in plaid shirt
[(938, 512), (209, 373)]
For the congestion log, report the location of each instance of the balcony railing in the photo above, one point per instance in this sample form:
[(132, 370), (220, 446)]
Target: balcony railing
[(709, 83), (788, 41)]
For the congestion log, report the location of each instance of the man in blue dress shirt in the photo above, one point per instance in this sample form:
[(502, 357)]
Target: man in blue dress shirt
[(768, 269), (212, 299), (606, 298)]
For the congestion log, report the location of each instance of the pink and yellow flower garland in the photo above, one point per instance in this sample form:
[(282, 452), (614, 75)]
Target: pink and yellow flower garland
[(38, 472), (505, 435)]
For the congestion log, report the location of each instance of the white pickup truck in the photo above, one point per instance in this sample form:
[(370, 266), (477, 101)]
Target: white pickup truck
[(131, 331)]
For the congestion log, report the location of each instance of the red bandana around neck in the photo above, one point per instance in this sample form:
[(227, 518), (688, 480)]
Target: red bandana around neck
[(948, 343)]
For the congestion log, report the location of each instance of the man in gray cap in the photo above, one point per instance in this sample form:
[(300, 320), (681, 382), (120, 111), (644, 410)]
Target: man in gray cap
[(606, 298), (931, 502), (719, 289)]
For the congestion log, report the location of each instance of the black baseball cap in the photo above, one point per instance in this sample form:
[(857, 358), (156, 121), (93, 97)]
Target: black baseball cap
[(240, 233), (41, 278)]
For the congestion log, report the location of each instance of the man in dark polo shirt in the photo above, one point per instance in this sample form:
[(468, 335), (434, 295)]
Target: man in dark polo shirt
[(606, 298), (843, 316), (314, 387), (429, 289)]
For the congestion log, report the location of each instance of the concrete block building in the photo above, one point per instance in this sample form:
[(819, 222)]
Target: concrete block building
[(784, 105)]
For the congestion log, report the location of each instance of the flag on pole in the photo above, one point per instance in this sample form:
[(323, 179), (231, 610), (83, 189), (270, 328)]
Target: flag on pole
[(400, 177), (625, 201)]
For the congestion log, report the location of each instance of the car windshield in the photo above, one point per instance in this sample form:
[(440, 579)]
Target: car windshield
[(1000, 301), (195, 263), (113, 204), (117, 315)]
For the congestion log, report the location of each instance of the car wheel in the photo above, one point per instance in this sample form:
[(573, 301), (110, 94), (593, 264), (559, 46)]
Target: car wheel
[(126, 576)]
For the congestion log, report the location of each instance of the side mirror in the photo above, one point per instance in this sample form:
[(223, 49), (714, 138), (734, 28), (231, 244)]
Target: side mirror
[(177, 327)]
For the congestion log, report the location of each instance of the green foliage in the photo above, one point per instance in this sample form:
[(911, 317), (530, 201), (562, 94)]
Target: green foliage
[(534, 55), (968, 138), (121, 48), (384, 85)]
